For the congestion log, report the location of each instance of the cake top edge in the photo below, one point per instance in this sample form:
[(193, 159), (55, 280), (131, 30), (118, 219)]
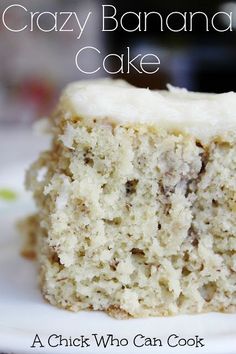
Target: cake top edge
[(108, 84), (200, 114)]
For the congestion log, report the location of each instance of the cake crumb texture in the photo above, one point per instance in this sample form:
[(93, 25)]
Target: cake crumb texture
[(135, 219)]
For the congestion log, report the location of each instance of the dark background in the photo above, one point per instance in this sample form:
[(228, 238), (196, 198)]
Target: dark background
[(198, 60)]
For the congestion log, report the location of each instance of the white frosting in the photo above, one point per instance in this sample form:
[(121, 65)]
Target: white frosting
[(202, 115)]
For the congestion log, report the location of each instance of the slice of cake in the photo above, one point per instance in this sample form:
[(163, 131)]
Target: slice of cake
[(137, 201)]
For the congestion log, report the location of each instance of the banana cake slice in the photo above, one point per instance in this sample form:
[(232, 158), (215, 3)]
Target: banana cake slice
[(136, 201)]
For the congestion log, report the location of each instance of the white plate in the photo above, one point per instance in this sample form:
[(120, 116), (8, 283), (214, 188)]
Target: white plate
[(23, 312)]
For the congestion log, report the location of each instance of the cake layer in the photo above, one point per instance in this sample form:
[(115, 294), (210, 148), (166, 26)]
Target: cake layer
[(136, 217), (203, 115)]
